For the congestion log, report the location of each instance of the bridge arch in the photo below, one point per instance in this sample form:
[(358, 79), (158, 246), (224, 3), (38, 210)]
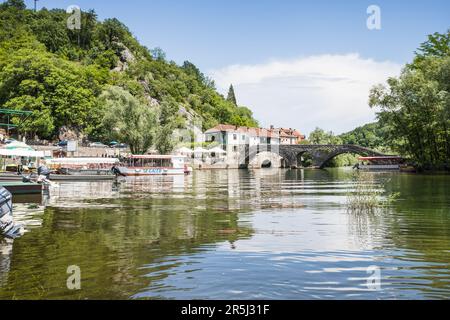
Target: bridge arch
[(321, 154), (336, 154), (265, 159)]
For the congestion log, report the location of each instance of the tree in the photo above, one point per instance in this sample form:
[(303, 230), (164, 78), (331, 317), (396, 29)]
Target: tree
[(415, 107), (59, 92), (128, 120), (50, 29), (372, 135), (158, 54), (437, 45), (111, 32), (167, 124), (17, 4), (319, 136), (231, 96)]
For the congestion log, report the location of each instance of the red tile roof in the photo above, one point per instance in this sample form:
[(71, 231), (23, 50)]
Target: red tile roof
[(273, 133), (286, 133), (259, 132)]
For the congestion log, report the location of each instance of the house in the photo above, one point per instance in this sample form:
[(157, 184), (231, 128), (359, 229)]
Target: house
[(231, 137), (288, 136)]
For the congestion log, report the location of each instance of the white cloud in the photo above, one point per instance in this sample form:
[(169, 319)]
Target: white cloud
[(329, 91)]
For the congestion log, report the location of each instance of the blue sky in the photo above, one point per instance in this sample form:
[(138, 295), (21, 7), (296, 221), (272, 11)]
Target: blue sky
[(228, 38), (217, 33)]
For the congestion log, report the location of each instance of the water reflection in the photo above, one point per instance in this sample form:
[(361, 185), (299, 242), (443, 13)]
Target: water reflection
[(272, 234), (6, 246)]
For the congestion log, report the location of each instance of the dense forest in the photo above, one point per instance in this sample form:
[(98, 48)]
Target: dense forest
[(80, 80)]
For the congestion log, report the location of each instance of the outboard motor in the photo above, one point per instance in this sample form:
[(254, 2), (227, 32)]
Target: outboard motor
[(7, 225), (116, 171), (44, 171)]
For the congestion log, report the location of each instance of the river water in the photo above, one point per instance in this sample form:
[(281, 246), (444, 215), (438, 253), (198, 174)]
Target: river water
[(264, 234)]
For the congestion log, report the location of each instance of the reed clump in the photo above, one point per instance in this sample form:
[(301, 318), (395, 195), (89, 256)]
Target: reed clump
[(367, 195)]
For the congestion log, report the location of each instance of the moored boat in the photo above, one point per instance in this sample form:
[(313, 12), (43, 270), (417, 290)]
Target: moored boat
[(11, 176), (82, 169), (7, 225), (19, 187), (151, 165), (380, 163), (81, 177)]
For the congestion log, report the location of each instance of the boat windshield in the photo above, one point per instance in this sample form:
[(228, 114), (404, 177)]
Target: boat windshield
[(150, 162)]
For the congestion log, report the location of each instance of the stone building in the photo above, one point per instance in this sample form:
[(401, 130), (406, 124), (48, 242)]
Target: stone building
[(240, 143)]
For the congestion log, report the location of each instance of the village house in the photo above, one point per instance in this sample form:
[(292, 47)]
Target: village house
[(288, 136), (230, 136)]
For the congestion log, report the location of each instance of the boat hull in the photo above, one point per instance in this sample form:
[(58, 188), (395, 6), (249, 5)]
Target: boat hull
[(393, 167), (68, 177), (14, 176), (135, 172), (22, 187)]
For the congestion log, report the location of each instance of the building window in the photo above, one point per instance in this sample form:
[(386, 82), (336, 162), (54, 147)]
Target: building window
[(235, 149), (234, 136), (243, 137)]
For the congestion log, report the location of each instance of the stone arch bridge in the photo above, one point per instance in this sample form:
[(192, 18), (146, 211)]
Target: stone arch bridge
[(321, 154)]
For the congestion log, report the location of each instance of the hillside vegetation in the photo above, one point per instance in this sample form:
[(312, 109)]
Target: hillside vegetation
[(70, 78)]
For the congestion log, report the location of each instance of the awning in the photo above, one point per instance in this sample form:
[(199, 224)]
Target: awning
[(21, 153), (381, 158)]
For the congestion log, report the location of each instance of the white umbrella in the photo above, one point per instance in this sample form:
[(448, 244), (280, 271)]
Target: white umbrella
[(185, 150), (217, 150), (17, 145), (22, 153), (200, 150)]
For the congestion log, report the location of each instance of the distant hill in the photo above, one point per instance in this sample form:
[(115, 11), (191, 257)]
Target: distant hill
[(371, 136)]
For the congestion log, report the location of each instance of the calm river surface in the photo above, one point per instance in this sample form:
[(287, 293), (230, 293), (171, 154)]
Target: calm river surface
[(265, 234)]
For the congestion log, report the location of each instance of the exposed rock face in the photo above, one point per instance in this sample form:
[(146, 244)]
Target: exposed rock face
[(67, 133), (126, 58), (152, 102)]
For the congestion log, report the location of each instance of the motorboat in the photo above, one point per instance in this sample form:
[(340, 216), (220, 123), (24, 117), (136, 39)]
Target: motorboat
[(8, 227)]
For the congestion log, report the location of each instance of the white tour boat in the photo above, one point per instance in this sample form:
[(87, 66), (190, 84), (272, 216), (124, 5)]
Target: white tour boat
[(150, 165)]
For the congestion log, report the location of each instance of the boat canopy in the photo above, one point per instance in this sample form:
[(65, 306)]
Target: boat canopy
[(81, 161), (155, 157), (380, 158)]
